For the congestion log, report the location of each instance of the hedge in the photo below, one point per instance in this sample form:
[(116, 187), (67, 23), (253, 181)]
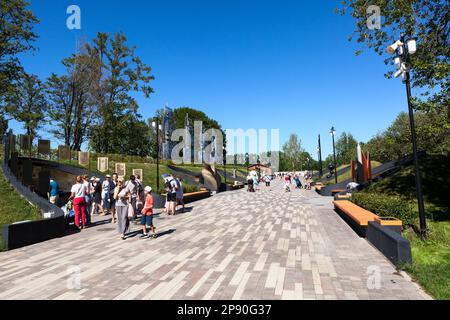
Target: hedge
[(385, 206)]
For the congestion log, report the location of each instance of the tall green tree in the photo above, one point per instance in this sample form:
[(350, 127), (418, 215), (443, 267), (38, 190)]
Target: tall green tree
[(122, 73), (27, 104), (346, 146), (16, 36), (72, 106), (428, 21), (292, 153), (3, 127)]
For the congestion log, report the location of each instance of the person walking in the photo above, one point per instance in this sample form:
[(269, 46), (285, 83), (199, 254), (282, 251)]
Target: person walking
[(141, 194), (147, 214), (171, 188), (179, 194), (250, 187), (267, 180), (122, 200), (87, 198), (106, 194), (132, 187), (78, 192), (53, 192), (97, 197), (113, 187)]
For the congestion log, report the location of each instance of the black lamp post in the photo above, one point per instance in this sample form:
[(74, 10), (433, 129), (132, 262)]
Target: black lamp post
[(333, 133), (158, 127), (319, 150), (225, 163), (247, 161), (404, 48)]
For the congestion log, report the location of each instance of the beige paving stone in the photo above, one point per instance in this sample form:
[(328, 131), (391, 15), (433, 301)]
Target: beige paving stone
[(234, 245)]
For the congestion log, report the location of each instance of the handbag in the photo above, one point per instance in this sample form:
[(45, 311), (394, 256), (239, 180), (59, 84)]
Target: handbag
[(130, 213)]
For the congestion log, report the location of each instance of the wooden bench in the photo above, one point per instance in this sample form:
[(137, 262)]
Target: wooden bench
[(195, 196), (359, 215), (359, 218)]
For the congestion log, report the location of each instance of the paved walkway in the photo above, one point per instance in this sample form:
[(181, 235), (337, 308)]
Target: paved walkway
[(235, 245)]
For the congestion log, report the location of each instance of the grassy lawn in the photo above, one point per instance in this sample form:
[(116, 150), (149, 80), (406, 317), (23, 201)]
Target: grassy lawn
[(13, 207), (148, 172), (431, 259)]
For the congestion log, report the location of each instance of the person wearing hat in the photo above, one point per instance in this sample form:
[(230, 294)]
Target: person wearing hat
[(147, 213)]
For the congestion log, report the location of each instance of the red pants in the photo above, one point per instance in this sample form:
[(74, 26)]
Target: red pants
[(79, 206)]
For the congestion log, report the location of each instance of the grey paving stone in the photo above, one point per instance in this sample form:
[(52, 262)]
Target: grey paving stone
[(233, 232)]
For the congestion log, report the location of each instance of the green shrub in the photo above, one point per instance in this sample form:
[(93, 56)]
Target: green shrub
[(188, 188), (386, 206)]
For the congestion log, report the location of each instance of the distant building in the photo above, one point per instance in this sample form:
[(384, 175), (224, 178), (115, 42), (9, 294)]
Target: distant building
[(196, 137)]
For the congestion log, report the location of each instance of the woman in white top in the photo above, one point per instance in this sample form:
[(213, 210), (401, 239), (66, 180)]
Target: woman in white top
[(78, 193), (122, 196)]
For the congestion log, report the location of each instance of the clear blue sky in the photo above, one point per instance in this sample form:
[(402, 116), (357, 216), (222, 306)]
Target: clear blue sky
[(247, 64)]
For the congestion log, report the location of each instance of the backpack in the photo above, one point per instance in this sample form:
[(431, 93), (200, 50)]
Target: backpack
[(168, 186), (135, 191), (140, 189)]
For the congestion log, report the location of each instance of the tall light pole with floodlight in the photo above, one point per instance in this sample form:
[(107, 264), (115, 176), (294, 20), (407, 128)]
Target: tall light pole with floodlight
[(319, 151), (225, 164), (403, 48)]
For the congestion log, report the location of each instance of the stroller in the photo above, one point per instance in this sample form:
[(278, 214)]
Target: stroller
[(250, 187), (69, 214)]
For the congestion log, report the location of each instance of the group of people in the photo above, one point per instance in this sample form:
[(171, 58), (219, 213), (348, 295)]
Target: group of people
[(253, 179), (300, 181), (124, 200)]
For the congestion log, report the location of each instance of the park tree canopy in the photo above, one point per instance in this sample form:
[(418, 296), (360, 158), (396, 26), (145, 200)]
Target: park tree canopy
[(122, 73), (72, 109), (27, 104), (426, 20), (16, 36)]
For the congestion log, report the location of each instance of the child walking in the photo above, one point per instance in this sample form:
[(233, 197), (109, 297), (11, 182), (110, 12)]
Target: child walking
[(147, 214)]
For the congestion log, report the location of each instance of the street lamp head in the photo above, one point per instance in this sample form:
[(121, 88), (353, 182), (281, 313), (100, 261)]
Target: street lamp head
[(393, 47), (153, 124), (333, 131), (412, 46)]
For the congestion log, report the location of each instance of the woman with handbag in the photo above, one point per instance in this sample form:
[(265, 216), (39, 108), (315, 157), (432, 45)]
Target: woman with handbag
[(122, 212), (78, 192)]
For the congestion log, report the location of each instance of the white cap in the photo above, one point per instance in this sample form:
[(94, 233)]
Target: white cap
[(148, 189)]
